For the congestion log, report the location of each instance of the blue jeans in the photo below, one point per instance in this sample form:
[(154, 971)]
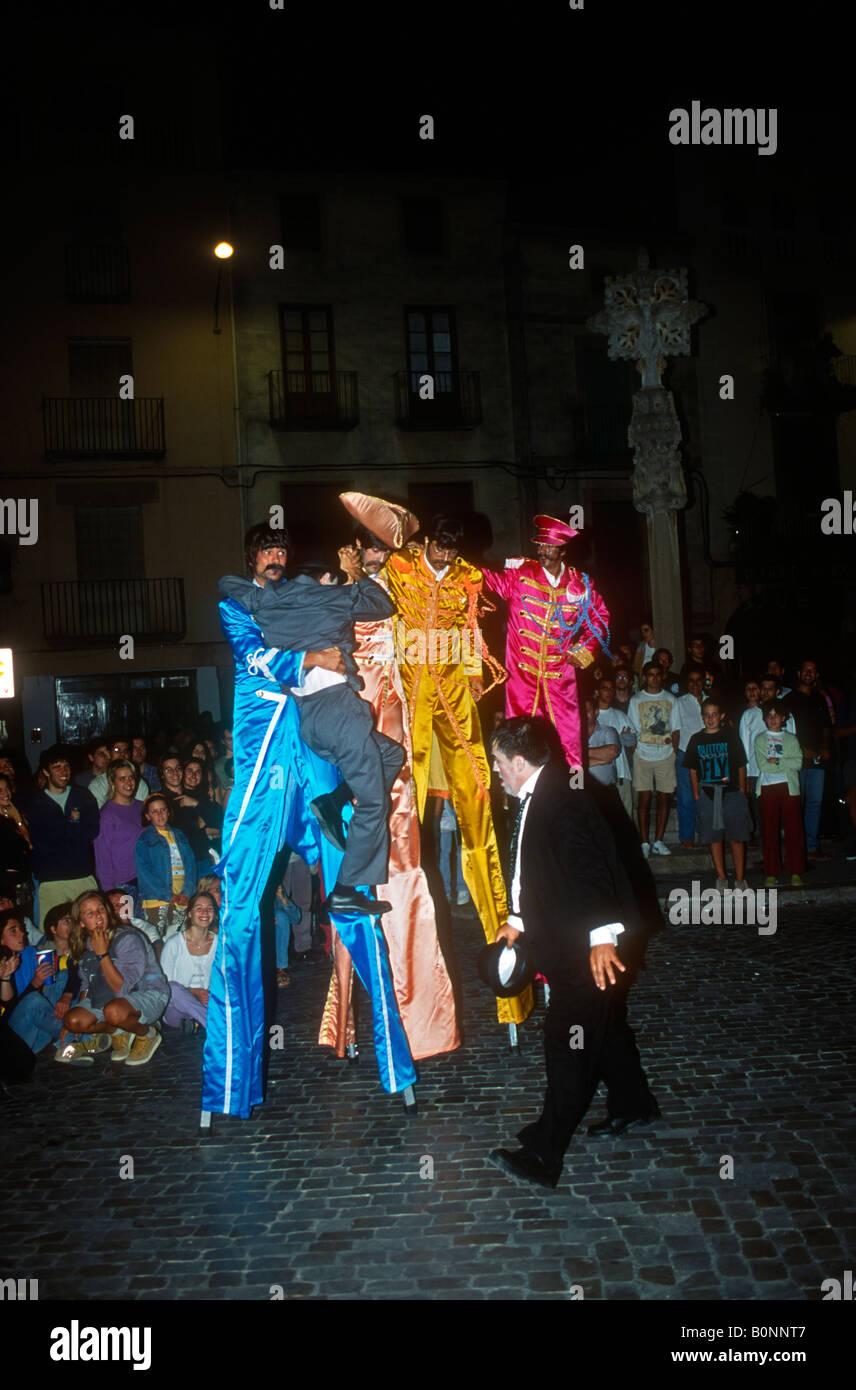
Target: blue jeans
[(811, 785), (33, 1016), (686, 800), (282, 918)]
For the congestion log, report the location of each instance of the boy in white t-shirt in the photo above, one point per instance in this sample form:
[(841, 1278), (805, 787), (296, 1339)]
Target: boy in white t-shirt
[(654, 719)]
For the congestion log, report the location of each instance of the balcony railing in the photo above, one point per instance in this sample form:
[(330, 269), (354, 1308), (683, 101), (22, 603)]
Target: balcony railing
[(844, 369), (93, 426), (313, 400), (98, 274), (456, 402), (101, 611)]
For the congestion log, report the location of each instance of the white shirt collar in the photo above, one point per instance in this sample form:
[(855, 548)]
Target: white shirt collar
[(528, 786), (554, 579)]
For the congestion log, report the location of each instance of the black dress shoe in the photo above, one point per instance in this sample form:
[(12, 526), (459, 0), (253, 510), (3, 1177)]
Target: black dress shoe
[(328, 813), (603, 1129), (351, 900), (638, 1122), (525, 1166)]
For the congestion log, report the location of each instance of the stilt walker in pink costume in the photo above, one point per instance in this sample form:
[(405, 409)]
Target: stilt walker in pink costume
[(556, 622)]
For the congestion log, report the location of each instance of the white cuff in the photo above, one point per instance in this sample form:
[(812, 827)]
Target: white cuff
[(515, 921), (606, 935)]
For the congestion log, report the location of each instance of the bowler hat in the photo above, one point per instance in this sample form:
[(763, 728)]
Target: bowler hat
[(507, 969)]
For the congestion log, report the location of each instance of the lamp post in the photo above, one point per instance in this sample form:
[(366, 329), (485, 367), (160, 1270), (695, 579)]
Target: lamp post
[(224, 252)]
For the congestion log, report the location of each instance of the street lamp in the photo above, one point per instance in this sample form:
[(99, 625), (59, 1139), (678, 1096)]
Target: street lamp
[(224, 250)]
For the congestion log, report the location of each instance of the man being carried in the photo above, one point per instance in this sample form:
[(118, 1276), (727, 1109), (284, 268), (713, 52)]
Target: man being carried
[(276, 778), (334, 722)]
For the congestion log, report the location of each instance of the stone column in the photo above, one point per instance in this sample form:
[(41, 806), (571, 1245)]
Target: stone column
[(646, 315), (659, 490)]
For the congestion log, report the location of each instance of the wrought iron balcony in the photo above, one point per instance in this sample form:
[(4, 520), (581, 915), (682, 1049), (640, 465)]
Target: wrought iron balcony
[(456, 402), (99, 612), (98, 274), (844, 369), (103, 426), (313, 400)]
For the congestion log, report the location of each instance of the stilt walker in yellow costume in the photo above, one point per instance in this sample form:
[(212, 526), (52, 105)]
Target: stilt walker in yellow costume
[(440, 653), (421, 981)]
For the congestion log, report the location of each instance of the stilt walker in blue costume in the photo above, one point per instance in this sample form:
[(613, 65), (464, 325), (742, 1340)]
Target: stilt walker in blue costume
[(276, 778)]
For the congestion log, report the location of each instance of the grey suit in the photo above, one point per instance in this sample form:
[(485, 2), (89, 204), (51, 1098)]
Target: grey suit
[(303, 615)]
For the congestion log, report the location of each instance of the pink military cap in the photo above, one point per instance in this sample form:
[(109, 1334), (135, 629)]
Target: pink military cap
[(550, 531)]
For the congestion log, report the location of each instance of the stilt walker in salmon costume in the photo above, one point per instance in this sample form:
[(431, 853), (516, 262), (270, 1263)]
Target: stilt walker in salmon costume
[(277, 777), (440, 652), (422, 986), (556, 622)]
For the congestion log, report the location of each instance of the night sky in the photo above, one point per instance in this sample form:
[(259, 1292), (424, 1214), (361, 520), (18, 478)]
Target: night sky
[(571, 106)]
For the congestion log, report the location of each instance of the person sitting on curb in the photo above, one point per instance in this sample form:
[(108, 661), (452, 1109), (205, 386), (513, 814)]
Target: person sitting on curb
[(717, 765), (17, 964), (13, 937), (38, 1015), (779, 758), (186, 961), (124, 989)]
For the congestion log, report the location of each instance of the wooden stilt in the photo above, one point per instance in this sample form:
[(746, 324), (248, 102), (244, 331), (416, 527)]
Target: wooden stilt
[(205, 1119), (513, 1040), (409, 1100)]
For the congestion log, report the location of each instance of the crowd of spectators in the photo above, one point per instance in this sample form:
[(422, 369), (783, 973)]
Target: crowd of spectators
[(108, 904), (750, 762)]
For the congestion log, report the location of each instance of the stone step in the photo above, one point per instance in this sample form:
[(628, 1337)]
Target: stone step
[(684, 863)]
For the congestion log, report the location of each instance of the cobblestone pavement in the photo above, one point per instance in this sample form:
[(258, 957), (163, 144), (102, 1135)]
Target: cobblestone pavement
[(747, 1041)]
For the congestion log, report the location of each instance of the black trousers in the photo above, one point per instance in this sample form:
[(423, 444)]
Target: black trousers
[(339, 726), (605, 1050)]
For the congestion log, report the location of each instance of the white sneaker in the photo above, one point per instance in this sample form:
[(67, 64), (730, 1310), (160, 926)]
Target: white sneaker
[(75, 1052), (646, 849), (659, 848)]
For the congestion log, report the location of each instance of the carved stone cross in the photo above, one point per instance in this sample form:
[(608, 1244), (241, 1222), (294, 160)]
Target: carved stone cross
[(647, 316)]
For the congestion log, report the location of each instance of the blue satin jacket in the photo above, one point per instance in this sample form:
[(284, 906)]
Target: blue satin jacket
[(276, 777)]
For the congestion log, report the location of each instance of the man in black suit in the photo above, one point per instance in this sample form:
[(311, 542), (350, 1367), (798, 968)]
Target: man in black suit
[(572, 898)]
